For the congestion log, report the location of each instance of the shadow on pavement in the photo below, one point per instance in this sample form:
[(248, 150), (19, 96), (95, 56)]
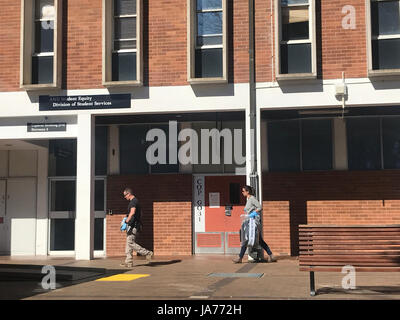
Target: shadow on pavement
[(158, 263), (22, 281), (364, 290)]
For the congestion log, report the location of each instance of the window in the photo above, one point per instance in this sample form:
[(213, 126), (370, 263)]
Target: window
[(122, 54), (133, 142), (295, 47), (284, 146), (316, 141), (364, 143), (384, 37), (207, 41), (391, 142), (41, 44), (295, 145)]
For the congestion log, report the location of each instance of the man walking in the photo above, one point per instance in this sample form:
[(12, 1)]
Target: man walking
[(134, 226)]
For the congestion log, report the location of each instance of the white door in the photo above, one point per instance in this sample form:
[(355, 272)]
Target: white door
[(4, 222), (21, 210)]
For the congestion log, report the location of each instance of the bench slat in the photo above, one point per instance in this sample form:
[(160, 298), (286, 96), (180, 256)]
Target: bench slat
[(349, 237), (334, 258), (349, 252), (353, 263), (358, 269), (352, 247)]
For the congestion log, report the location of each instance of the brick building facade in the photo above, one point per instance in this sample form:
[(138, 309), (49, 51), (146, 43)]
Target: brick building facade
[(321, 159)]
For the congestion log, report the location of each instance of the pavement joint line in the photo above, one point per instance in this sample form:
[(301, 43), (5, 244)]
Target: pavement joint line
[(223, 282)]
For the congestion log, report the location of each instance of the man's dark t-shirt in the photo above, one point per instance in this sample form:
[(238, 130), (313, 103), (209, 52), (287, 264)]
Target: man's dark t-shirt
[(135, 221)]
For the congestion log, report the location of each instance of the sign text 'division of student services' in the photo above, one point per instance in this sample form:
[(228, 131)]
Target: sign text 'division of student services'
[(84, 102)]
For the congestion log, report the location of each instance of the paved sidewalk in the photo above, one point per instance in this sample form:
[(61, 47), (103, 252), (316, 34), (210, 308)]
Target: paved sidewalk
[(188, 277)]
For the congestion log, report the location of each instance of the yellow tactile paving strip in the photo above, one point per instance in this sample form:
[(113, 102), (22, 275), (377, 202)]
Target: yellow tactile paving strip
[(124, 277)]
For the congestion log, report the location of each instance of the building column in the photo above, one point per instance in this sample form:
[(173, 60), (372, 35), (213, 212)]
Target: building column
[(42, 201), (113, 150), (84, 222), (249, 142), (340, 144)]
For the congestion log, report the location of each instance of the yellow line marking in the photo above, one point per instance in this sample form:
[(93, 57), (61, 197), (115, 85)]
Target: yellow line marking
[(124, 277)]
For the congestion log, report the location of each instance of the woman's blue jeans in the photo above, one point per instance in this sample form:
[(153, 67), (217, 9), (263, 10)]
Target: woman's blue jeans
[(262, 244)]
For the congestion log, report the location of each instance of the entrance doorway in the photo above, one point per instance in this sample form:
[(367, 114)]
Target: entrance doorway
[(18, 216), (217, 206)]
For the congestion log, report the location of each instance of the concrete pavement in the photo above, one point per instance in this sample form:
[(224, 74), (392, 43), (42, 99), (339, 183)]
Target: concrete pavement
[(189, 277)]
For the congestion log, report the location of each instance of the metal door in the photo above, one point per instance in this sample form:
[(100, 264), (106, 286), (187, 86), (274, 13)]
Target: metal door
[(217, 206)]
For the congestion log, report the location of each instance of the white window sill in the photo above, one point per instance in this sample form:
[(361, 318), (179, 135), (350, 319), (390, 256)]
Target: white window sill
[(33, 87), (207, 80), (296, 76), (114, 84), (387, 73)]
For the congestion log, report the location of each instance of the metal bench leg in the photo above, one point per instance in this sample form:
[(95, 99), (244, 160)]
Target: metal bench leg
[(312, 284)]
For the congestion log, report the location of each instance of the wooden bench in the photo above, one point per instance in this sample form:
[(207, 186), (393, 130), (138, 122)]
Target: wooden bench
[(331, 247)]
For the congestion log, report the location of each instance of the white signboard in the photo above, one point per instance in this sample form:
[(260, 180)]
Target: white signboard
[(214, 199), (199, 204)]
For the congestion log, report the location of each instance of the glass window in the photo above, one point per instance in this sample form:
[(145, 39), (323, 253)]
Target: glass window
[(63, 195), (133, 148), (363, 144), (209, 4), (290, 2), (295, 23), (209, 39), (385, 30), (234, 193), (295, 38), (209, 63), (43, 53), (165, 168), (124, 7), (101, 150), (391, 142), (125, 34), (284, 146), (385, 17), (99, 234), (62, 157), (42, 69), (296, 58), (62, 234), (124, 66), (99, 195), (386, 54), (317, 144)]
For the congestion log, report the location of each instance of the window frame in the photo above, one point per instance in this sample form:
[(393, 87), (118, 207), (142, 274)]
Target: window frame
[(278, 41), (108, 46), (27, 46), (300, 144), (192, 44), (375, 72)]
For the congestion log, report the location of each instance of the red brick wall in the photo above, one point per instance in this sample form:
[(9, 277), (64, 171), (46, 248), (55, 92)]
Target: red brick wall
[(336, 197), (341, 49), (165, 42), (276, 226), (10, 25), (166, 213)]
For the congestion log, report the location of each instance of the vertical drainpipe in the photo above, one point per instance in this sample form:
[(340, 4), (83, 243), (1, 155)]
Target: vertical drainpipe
[(252, 93)]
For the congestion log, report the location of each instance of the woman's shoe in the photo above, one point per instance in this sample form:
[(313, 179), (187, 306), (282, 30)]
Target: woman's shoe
[(237, 260), (272, 258)]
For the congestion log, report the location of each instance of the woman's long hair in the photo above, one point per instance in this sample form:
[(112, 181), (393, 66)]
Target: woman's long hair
[(249, 189)]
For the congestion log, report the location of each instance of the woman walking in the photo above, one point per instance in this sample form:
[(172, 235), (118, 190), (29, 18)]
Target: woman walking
[(253, 209)]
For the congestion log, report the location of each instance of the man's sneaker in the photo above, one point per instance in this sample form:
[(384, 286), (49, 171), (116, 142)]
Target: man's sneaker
[(126, 265), (237, 260), (149, 255), (272, 258)]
